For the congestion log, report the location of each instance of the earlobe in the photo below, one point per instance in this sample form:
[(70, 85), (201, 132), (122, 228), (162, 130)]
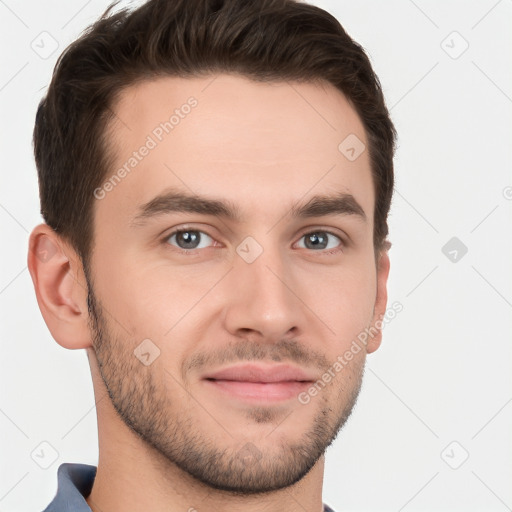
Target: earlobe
[(381, 299), (60, 287)]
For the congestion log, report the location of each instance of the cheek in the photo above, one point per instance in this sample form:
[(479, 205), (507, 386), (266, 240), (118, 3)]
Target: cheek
[(345, 300), (153, 300)]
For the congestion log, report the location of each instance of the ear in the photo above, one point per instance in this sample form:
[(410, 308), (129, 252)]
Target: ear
[(60, 287), (381, 300)]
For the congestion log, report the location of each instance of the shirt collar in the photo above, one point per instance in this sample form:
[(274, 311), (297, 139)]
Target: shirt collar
[(74, 485)]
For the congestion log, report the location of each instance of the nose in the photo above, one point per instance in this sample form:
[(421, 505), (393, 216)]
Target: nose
[(262, 304)]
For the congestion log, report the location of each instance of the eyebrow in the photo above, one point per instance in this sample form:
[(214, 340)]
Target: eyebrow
[(175, 201)]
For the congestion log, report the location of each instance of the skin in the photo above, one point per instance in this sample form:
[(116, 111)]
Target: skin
[(264, 148)]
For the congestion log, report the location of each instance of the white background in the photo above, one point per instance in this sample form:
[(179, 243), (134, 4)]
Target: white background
[(443, 373)]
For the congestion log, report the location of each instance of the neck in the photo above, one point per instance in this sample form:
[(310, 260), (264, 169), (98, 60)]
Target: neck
[(133, 476)]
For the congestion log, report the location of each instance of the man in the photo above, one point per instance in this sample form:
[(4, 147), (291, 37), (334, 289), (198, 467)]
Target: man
[(215, 178)]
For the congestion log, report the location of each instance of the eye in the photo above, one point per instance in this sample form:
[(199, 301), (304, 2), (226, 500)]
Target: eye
[(320, 240), (189, 239)]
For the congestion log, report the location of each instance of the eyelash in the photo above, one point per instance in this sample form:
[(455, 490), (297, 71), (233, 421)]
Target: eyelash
[(192, 252)]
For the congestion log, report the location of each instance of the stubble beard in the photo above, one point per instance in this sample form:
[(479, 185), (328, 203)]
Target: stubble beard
[(145, 406)]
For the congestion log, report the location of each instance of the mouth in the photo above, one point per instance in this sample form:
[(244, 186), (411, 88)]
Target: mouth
[(260, 382)]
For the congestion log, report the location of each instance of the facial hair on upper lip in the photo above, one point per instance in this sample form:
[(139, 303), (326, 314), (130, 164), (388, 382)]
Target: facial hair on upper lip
[(283, 351)]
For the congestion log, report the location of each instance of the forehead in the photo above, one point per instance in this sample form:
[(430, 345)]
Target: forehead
[(256, 144)]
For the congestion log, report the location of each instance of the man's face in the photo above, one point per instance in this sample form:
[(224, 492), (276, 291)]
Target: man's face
[(205, 338)]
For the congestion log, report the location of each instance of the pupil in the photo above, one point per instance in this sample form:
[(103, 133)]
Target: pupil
[(314, 241), (188, 239)]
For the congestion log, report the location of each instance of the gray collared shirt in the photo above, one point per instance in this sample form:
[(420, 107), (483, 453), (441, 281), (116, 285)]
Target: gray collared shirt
[(75, 484)]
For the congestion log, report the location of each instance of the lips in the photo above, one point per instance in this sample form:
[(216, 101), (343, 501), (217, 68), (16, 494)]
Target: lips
[(260, 382), (262, 373)]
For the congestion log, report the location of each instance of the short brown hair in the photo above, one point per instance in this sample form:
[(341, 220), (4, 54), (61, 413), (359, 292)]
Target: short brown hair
[(265, 40)]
